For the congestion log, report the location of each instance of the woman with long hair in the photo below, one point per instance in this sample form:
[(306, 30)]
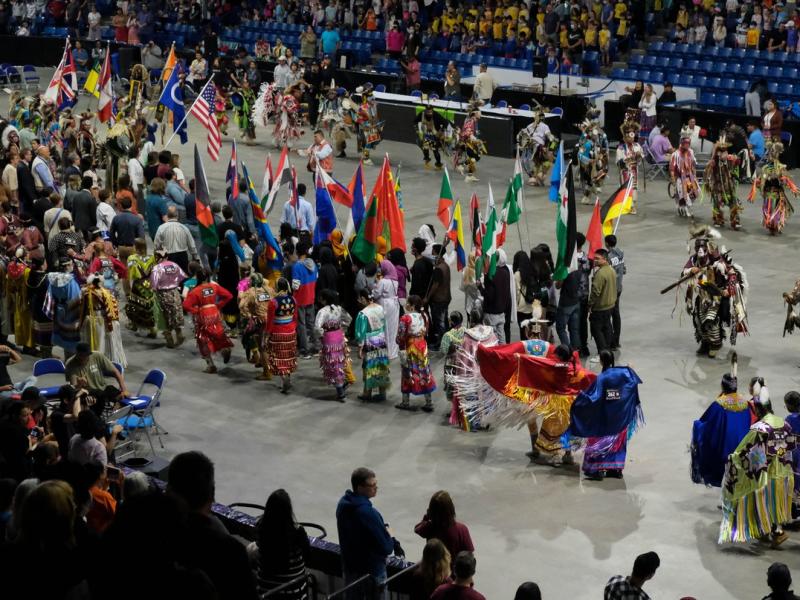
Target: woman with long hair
[(430, 572), (279, 552), (385, 293), (440, 522), (204, 303), (370, 332), (416, 376), (330, 324)]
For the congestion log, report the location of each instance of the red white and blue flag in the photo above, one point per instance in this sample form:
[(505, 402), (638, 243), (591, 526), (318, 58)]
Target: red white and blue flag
[(203, 109), (63, 87), (105, 104)]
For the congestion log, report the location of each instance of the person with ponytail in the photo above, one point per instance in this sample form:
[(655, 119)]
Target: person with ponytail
[(281, 331), (204, 303), (330, 324), (253, 308)]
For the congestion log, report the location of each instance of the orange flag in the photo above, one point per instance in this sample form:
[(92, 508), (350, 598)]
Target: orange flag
[(594, 234)]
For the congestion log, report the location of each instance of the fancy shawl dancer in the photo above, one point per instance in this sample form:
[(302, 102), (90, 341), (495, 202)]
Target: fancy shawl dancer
[(682, 167), (204, 303), (773, 181), (629, 156), (288, 119), (607, 415), (535, 145), (517, 382), (369, 128), (720, 181), (715, 295), (719, 430), (759, 481)]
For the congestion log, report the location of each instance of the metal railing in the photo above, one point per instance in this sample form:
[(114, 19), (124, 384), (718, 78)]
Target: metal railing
[(293, 584), (363, 588), (398, 584)]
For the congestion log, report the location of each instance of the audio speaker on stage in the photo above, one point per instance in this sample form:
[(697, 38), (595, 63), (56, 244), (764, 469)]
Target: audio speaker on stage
[(540, 67), (155, 467), (127, 58)]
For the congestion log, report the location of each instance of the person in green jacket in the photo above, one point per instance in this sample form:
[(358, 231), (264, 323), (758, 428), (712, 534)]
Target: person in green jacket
[(602, 298)]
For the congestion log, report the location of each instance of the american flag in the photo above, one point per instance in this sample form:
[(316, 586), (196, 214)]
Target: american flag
[(203, 109)]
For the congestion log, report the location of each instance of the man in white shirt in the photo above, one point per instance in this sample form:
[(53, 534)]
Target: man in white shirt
[(484, 86), (281, 73), (177, 240), (105, 212), (10, 180), (136, 174)]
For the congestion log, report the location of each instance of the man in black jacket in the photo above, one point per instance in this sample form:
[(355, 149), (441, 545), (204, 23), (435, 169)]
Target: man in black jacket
[(497, 299), (422, 269), (84, 208), (27, 186)]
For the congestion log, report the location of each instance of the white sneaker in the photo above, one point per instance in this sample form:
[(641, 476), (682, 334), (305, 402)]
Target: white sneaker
[(471, 179), (595, 359)]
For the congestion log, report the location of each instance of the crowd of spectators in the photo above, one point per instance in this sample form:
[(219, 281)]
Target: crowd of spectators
[(763, 25), (66, 507)]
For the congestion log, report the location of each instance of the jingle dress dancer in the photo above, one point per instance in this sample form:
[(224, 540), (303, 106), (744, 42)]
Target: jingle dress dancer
[(282, 335), (416, 376)]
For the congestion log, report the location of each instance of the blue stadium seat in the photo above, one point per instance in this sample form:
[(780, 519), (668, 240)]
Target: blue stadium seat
[(785, 89), (746, 70), (772, 87), (720, 68), (636, 60), (706, 66), (700, 81), (791, 74), (691, 65), (777, 72), (655, 47), (739, 53), (723, 100), (649, 61), (779, 57), (668, 48), (713, 83), (644, 75), (662, 61), (736, 103), (617, 73), (708, 99), (675, 63), (741, 85), (656, 77), (762, 71), (685, 79), (725, 52), (727, 84), (631, 74)]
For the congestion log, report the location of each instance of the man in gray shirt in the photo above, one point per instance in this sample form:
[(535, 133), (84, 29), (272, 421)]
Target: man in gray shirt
[(616, 258)]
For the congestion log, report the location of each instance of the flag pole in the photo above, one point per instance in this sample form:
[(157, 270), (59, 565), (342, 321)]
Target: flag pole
[(522, 194), (188, 112)]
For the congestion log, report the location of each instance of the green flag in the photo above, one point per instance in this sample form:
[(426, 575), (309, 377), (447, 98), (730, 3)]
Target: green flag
[(488, 256), (366, 242)]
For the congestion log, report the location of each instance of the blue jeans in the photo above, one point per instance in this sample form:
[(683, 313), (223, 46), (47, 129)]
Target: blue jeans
[(18, 388), (569, 316)]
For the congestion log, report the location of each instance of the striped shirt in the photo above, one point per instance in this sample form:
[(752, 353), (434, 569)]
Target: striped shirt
[(175, 237)]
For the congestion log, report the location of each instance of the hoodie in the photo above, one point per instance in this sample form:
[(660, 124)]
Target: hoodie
[(304, 281), (363, 537)]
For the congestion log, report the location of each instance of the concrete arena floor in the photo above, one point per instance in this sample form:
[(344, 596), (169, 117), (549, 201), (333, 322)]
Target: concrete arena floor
[(528, 522)]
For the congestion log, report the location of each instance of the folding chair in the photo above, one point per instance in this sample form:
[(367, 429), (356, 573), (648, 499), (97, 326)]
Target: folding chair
[(49, 366), (149, 393), (30, 76), (653, 167), (128, 443)]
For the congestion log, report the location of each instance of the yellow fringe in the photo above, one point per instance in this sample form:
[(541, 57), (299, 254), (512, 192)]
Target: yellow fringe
[(546, 405)]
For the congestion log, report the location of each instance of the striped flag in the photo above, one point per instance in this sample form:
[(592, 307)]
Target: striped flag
[(266, 181), (566, 231), (283, 175), (445, 200), (203, 109), (618, 204), (456, 233), (205, 219), (105, 104), (63, 87)]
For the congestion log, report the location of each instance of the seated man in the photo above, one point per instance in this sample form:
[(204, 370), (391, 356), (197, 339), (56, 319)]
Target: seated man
[(661, 147), (87, 370)]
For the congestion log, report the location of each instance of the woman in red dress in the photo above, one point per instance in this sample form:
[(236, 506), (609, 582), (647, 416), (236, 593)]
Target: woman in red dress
[(204, 303), (282, 334)]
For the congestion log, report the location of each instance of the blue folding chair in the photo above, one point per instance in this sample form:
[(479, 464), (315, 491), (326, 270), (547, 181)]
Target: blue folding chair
[(31, 77), (143, 404), (524, 106), (380, 88), (49, 366), (558, 111), (501, 104), (416, 94)]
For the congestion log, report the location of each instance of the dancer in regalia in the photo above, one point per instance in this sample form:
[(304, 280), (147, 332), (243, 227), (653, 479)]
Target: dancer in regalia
[(330, 324), (204, 303), (682, 165), (370, 332), (773, 182), (720, 181)]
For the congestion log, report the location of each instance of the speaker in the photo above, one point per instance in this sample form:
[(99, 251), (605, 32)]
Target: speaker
[(127, 58), (540, 67), (156, 467)]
